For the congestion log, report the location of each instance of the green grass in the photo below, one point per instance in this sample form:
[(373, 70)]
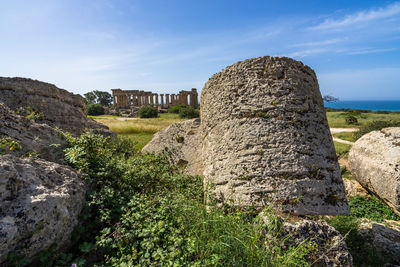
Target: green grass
[(345, 136), (337, 119), (342, 149), (362, 207), (139, 130)]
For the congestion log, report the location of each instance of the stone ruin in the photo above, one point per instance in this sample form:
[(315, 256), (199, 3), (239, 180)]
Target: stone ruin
[(264, 139), (59, 107), (137, 98)]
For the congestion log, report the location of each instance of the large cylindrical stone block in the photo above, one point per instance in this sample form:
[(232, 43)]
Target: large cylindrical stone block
[(266, 139)]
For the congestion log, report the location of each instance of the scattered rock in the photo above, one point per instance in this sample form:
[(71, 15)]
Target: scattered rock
[(35, 139), (332, 249), (59, 107), (182, 141), (266, 139), (40, 203), (384, 237), (353, 188), (374, 161)]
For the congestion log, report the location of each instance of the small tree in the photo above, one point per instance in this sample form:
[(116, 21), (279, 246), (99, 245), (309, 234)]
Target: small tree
[(188, 113), (148, 112), (350, 119), (94, 109), (98, 97)]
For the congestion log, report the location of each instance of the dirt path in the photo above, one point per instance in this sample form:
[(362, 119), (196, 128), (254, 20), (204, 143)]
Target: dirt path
[(342, 130)]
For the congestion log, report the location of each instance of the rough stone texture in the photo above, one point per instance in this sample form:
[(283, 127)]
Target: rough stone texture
[(332, 249), (182, 140), (40, 203), (353, 188), (60, 108), (266, 139), (385, 238), (37, 139), (374, 161)]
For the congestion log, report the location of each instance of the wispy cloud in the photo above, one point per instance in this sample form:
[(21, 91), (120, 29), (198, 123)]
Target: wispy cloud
[(371, 51), (320, 43), (359, 17)]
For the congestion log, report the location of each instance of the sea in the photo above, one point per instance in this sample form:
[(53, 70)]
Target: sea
[(373, 105)]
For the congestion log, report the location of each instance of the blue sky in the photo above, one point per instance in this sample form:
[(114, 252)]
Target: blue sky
[(166, 46)]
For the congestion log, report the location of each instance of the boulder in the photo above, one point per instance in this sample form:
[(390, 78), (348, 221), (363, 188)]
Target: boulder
[(353, 188), (383, 237), (59, 107), (40, 203), (374, 161), (35, 139), (265, 138), (331, 247), (182, 141)]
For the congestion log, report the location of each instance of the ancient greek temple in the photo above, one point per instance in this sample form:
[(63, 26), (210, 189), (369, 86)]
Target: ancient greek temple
[(137, 98)]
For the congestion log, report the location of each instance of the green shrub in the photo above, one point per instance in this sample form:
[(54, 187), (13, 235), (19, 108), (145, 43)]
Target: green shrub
[(362, 207), (375, 126), (142, 211), (176, 109), (189, 113), (94, 109), (148, 112), (350, 119)]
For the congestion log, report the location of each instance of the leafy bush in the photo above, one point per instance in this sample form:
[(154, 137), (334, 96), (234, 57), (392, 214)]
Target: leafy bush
[(142, 211), (148, 112), (176, 109), (189, 113), (362, 207), (94, 109), (350, 119), (375, 126)]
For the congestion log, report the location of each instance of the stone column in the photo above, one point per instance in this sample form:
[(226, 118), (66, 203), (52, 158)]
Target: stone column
[(173, 99), (151, 99), (194, 98), (156, 95), (162, 100), (167, 100)]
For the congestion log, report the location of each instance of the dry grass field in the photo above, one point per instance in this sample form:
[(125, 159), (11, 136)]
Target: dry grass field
[(140, 130)]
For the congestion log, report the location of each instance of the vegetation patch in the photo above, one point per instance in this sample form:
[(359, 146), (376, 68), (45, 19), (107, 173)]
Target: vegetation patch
[(362, 207), (141, 211), (148, 112)]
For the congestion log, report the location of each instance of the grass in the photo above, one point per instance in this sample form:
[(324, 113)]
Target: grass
[(345, 136), (139, 130), (342, 149), (362, 207), (337, 119)]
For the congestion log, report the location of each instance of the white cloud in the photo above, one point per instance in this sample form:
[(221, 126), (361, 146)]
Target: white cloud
[(320, 43), (371, 51), (359, 17)]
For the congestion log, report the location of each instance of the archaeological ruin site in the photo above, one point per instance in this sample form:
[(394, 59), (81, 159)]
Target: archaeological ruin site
[(137, 98), (262, 142)]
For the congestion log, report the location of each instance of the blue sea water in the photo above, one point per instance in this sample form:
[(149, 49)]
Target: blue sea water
[(384, 105)]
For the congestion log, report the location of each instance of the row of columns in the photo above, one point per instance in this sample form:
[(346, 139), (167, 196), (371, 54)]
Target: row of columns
[(127, 98)]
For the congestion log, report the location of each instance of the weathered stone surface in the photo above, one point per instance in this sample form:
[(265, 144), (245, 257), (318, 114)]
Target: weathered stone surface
[(374, 161), (40, 203), (183, 142), (35, 139), (332, 249), (59, 107), (353, 188), (384, 237), (266, 139)]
